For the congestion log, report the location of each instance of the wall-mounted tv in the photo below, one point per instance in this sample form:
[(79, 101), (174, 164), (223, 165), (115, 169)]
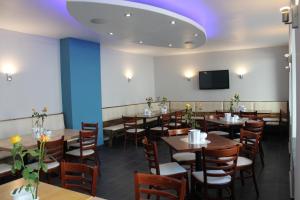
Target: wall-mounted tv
[(218, 79)]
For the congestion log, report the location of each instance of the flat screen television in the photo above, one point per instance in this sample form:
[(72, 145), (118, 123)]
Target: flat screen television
[(218, 79)]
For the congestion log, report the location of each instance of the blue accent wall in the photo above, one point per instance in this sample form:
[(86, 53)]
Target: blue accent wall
[(81, 84)]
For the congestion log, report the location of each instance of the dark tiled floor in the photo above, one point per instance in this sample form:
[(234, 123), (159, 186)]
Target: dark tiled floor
[(118, 166)]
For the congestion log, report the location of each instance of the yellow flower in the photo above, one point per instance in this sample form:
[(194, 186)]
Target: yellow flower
[(15, 139), (44, 138), (188, 106), (45, 109)]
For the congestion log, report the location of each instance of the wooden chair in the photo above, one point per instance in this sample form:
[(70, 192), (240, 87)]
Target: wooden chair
[(87, 147), (132, 130), (172, 169), (183, 158), (79, 176), (249, 115), (246, 162), (177, 120), (220, 114), (141, 181), (217, 173), (86, 126), (54, 153), (163, 128), (257, 127)]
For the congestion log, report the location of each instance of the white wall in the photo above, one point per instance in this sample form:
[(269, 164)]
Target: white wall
[(265, 80), (116, 90), (36, 82)]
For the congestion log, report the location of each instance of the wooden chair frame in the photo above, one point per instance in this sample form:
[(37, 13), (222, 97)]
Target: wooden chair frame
[(131, 123)]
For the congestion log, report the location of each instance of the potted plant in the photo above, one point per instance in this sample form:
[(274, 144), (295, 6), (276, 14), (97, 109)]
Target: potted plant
[(234, 100), (163, 104), (191, 122), (149, 101), (29, 191)]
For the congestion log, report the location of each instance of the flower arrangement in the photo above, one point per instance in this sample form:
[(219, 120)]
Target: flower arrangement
[(164, 101), (38, 119), (149, 101), (189, 116), (235, 99), (31, 176)]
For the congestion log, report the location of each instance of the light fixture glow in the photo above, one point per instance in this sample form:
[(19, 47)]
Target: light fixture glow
[(129, 75), (196, 34), (173, 22), (170, 45), (141, 42), (188, 75), (128, 15), (111, 33), (8, 69), (241, 71), (285, 9)]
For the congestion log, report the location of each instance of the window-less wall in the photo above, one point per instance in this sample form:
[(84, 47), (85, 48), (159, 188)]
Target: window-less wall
[(265, 77), (36, 82), (116, 89)]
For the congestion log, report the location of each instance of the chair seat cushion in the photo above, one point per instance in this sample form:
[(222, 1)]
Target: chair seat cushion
[(50, 165), (221, 133), (213, 180), (241, 161), (77, 144), (171, 168), (4, 168), (272, 123), (159, 128), (185, 156), (270, 119), (114, 128), (5, 154), (173, 124), (76, 152), (138, 130)]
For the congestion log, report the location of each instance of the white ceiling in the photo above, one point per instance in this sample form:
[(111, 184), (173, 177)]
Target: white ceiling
[(241, 24)]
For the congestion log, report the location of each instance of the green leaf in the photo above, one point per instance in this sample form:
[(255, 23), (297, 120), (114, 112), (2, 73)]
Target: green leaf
[(18, 165), (33, 153), (44, 167)]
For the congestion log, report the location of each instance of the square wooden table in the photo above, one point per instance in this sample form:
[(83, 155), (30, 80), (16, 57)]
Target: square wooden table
[(180, 144), (46, 192), (29, 142)]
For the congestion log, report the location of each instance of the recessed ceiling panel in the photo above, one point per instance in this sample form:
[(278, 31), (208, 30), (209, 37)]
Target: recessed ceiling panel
[(136, 23)]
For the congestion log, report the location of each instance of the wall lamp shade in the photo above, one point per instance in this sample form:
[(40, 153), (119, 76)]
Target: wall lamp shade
[(129, 76), (188, 75), (9, 77), (289, 15), (241, 76)]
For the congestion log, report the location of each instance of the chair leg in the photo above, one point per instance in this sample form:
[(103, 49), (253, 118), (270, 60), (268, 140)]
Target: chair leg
[(254, 181), (125, 140), (261, 154), (242, 178), (136, 140), (220, 195), (232, 191)]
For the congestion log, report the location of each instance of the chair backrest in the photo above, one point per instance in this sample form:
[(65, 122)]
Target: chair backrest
[(178, 117), (165, 120), (220, 159), (182, 131), (249, 115), (54, 150), (254, 126), (220, 114), (87, 141), (151, 155), (79, 176), (250, 143), (143, 181), (130, 122), (90, 126)]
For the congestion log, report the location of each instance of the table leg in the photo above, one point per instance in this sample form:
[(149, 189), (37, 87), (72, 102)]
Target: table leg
[(198, 161)]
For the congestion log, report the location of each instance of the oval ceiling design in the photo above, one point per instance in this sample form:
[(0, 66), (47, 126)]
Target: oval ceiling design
[(138, 23)]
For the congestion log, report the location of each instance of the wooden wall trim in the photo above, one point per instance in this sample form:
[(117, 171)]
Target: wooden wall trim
[(20, 118)]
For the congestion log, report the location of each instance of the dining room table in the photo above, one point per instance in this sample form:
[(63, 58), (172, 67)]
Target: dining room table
[(45, 192), (29, 142), (213, 142)]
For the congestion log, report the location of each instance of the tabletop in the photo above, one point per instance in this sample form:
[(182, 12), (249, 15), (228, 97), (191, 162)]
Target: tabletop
[(222, 121), (156, 113), (29, 142), (46, 191), (180, 144)]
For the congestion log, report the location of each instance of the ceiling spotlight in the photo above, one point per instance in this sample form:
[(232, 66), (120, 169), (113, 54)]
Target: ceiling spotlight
[(196, 34), (170, 45), (172, 22), (128, 15), (111, 33), (141, 42)]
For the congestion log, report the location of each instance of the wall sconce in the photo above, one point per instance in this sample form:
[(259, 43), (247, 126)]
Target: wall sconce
[(129, 76), (241, 76), (8, 70), (289, 15), (9, 77), (188, 75)]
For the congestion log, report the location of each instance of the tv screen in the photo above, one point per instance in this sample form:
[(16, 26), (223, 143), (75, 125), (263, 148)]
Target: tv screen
[(214, 79)]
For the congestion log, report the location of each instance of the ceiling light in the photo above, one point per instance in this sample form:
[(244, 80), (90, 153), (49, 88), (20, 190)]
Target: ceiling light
[(196, 34), (285, 9), (128, 15), (141, 42), (111, 33), (172, 22), (170, 45)]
